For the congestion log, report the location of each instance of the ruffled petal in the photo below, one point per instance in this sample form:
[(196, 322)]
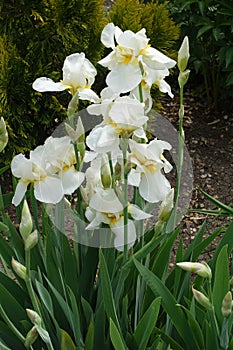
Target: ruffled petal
[(103, 139), (135, 41), (21, 167), (71, 180), (165, 88), (154, 186), (89, 95), (118, 231), (137, 213), (107, 35), (156, 59), (106, 201), (134, 178), (49, 191), (44, 84), (124, 78)]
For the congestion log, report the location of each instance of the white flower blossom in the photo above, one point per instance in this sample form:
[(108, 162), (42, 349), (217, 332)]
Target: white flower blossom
[(122, 116), (131, 58), (78, 76), (106, 208), (148, 161), (50, 168)]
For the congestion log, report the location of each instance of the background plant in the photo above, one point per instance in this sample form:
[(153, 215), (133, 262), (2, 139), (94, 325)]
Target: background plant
[(209, 27), (34, 39)]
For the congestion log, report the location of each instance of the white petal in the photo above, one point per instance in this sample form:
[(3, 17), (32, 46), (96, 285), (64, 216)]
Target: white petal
[(124, 78), (134, 178), (44, 84), (154, 186), (136, 42), (165, 88), (108, 94), (140, 133), (71, 180), (106, 201), (19, 193), (103, 139), (137, 213), (95, 219), (49, 191), (118, 231), (127, 113), (89, 95), (109, 61), (107, 35), (78, 71), (155, 59), (22, 167)]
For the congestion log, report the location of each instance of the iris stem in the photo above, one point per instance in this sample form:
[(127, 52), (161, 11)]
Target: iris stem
[(124, 146), (29, 282)]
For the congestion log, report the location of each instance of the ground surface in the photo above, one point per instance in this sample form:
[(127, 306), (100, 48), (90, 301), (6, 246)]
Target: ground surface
[(209, 139)]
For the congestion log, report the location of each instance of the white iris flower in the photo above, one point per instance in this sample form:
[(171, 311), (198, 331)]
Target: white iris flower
[(50, 169), (148, 160), (106, 208), (131, 58), (122, 116), (78, 76)]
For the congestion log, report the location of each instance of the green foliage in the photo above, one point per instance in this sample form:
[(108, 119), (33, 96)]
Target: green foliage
[(209, 25), (35, 38), (135, 15)]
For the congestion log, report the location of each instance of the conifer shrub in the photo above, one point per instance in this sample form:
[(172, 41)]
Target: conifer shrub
[(35, 38), (154, 17)]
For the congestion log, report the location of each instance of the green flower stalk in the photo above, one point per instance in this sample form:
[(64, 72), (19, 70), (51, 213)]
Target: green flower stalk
[(26, 225), (3, 135)]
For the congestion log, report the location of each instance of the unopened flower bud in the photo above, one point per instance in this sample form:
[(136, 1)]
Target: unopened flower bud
[(202, 269), (118, 171), (166, 206), (227, 305), (105, 174), (183, 78), (3, 134), (31, 337), (25, 226), (183, 55), (34, 317), (32, 240), (77, 135), (202, 299), (19, 269)]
